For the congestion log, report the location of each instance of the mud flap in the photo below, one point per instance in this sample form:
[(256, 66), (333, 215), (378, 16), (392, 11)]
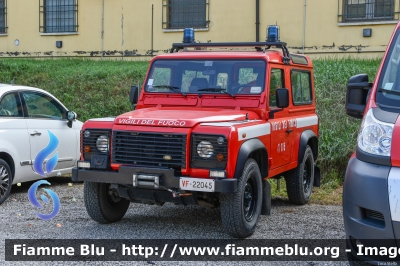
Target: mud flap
[(317, 177), (266, 198)]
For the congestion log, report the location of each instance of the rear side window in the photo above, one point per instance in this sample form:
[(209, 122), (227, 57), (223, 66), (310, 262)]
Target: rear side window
[(10, 105), (301, 87)]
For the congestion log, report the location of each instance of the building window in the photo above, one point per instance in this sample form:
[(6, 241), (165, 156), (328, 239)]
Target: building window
[(3, 16), (58, 16), (368, 10), (179, 14)]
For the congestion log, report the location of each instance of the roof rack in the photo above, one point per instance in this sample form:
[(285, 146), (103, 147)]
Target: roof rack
[(259, 46)]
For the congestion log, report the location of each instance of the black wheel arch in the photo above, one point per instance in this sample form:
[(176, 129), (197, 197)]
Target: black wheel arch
[(309, 138), (9, 160), (255, 149)]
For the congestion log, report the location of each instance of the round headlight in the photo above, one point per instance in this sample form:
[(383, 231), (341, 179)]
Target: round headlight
[(205, 149), (102, 143)]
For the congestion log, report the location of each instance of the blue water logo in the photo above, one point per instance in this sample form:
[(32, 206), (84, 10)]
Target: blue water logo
[(41, 156), (32, 198)]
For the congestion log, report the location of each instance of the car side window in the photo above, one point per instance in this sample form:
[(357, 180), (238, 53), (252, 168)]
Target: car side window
[(10, 105), (301, 87), (276, 81), (42, 106)]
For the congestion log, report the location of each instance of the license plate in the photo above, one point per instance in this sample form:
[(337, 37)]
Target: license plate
[(197, 184)]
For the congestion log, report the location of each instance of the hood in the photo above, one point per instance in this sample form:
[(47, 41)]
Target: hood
[(181, 117)]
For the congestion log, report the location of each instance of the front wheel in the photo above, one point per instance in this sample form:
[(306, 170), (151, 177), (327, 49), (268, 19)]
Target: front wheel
[(300, 181), (240, 211), (101, 203), (5, 180)]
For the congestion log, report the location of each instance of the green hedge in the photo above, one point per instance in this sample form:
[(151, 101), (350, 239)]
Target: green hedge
[(101, 88)]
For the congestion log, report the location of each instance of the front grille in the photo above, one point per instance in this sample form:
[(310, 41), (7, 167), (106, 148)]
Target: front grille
[(149, 149)]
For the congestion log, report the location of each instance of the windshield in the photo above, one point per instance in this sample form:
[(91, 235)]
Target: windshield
[(388, 94), (207, 76)]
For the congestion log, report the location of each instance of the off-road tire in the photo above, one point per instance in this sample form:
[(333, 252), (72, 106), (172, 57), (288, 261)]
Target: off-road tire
[(101, 206), (240, 211), (299, 181), (5, 180)]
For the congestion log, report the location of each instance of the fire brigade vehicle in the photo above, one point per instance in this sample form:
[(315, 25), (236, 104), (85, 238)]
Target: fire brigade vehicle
[(212, 123), (371, 190)]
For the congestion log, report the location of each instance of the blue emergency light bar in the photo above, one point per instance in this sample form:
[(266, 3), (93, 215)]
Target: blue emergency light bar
[(272, 41)]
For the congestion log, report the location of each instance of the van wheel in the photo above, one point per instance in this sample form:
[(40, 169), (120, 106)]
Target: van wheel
[(5, 181), (299, 181), (102, 205), (240, 211)]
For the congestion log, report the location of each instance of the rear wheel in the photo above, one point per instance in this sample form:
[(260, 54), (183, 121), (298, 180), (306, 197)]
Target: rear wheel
[(299, 181), (5, 180), (240, 211), (101, 203)]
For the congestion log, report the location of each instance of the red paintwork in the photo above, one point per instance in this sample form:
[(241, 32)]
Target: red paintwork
[(395, 152), (372, 99), (395, 156), (174, 113)]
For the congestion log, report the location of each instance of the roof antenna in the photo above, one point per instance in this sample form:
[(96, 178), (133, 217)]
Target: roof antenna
[(247, 116)]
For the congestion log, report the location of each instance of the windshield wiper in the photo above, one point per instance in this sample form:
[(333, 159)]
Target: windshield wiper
[(389, 91), (217, 90), (172, 88)]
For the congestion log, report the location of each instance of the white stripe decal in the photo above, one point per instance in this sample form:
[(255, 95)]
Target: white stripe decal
[(307, 121), (229, 124), (254, 131), (394, 193)]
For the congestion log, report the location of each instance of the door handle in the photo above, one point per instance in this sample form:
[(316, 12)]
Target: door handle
[(289, 131), (35, 133)]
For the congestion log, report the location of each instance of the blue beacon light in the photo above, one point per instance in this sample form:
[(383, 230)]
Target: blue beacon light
[(188, 35), (273, 33)]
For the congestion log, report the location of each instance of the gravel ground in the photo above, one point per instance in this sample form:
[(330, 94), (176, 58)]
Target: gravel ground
[(18, 221)]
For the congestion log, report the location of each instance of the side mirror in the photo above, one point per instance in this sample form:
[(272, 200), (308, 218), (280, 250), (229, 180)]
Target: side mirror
[(134, 95), (356, 95), (71, 116), (282, 98)]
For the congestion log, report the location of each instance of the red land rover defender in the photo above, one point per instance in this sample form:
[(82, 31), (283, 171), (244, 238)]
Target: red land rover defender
[(210, 127), (371, 190)]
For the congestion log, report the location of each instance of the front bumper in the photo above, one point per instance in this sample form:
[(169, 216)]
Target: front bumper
[(125, 177), (366, 207)]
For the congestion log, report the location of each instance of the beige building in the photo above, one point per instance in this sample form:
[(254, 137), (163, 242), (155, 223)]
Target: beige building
[(140, 28)]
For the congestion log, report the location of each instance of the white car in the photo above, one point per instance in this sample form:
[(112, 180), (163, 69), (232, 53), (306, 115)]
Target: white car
[(39, 137)]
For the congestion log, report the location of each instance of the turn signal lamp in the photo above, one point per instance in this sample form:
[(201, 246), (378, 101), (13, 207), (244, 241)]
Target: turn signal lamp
[(220, 157), (86, 149)]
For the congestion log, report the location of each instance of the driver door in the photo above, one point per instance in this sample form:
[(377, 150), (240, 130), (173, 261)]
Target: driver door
[(44, 115)]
